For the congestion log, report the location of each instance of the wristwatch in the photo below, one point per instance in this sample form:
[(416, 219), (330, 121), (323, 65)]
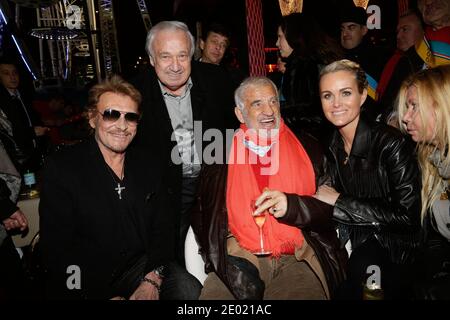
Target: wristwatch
[(159, 271)]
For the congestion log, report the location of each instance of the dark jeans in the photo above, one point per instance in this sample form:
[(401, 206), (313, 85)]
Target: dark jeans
[(395, 278), (188, 192), (178, 284), (433, 269)]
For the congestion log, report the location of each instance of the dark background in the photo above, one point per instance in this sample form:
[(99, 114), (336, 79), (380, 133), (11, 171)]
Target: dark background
[(131, 32)]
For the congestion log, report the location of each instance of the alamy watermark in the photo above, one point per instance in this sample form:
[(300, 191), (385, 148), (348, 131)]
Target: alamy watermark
[(74, 279), (73, 17), (374, 19), (218, 147)]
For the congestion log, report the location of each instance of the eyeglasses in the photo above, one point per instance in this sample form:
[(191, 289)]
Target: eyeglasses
[(111, 115)]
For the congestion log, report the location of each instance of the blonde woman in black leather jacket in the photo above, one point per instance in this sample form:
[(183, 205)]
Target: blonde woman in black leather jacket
[(375, 185)]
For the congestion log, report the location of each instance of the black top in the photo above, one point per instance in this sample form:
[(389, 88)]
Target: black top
[(379, 189), (84, 223)]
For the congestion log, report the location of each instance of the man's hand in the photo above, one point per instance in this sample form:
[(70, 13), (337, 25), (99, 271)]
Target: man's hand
[(327, 194), (273, 200), (146, 290), (16, 220)]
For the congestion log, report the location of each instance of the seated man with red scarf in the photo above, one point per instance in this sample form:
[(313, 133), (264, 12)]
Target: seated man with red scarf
[(270, 170)]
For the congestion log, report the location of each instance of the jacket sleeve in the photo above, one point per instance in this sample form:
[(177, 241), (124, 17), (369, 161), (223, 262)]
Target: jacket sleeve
[(162, 231), (306, 212), (7, 207), (401, 208), (57, 231)]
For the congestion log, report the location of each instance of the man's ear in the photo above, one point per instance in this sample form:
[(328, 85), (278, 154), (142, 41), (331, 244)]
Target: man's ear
[(92, 115), (202, 44), (239, 115), (152, 61), (364, 30)]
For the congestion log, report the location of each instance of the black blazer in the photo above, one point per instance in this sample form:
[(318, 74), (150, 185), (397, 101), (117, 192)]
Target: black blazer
[(23, 132), (80, 223), (212, 103)]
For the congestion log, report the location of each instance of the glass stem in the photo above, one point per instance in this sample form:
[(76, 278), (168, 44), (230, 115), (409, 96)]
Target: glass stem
[(261, 239)]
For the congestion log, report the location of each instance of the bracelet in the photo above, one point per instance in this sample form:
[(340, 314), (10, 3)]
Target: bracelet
[(157, 286)]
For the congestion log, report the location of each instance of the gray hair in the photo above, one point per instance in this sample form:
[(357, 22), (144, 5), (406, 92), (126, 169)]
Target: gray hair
[(249, 82), (164, 26)]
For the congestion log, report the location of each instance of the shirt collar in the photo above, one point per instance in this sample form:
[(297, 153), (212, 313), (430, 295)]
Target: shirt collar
[(13, 92), (188, 87)]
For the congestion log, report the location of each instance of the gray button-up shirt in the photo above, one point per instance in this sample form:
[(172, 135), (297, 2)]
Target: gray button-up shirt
[(180, 112)]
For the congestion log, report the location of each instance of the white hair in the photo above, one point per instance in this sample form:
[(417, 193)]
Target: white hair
[(168, 25), (251, 81)]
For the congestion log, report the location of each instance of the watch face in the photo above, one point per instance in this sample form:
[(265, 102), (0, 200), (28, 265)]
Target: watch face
[(159, 271)]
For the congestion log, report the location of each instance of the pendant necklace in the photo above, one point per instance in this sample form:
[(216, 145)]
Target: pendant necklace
[(119, 188), (346, 159)]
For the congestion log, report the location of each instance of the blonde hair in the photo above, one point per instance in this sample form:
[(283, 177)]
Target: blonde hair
[(350, 66), (433, 91)]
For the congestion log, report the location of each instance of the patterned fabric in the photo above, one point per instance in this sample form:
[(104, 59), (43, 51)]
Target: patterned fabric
[(255, 37), (9, 174), (403, 6), (434, 49)]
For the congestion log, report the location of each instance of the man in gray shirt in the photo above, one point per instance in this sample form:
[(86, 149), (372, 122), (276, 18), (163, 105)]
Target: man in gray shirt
[(180, 95)]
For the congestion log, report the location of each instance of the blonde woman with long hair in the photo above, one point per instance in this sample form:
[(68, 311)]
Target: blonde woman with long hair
[(424, 113)]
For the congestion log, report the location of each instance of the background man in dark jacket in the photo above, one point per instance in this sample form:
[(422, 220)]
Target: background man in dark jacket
[(18, 111), (11, 273)]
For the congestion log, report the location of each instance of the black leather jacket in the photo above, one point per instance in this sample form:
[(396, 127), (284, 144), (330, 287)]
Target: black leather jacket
[(379, 189), (210, 224)]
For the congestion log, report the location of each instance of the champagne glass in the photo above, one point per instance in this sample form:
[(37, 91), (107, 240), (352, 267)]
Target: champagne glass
[(260, 219)]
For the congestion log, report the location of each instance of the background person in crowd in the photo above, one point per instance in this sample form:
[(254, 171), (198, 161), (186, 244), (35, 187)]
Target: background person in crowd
[(177, 92), (305, 48), (104, 230), (435, 50), (424, 113), (11, 218), (214, 44), (358, 48), (306, 261), (404, 62), (374, 188), (17, 109)]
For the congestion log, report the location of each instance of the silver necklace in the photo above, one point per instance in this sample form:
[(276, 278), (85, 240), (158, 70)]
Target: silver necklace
[(119, 188)]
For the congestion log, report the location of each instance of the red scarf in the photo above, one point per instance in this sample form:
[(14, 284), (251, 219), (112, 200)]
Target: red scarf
[(290, 170), (387, 73)]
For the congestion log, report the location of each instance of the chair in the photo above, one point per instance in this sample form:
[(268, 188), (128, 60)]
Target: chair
[(30, 208), (193, 260)]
